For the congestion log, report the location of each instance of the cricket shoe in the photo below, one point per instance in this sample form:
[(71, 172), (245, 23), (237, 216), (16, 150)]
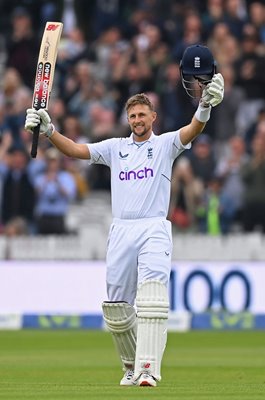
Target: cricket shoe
[(127, 379), (146, 379)]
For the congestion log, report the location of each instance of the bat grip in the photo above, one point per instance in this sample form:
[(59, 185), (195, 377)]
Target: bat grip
[(35, 141)]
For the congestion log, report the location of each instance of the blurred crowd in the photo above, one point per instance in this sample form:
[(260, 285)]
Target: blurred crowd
[(110, 50)]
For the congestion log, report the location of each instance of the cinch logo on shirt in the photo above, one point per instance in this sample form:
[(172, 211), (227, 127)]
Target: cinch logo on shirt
[(141, 174)]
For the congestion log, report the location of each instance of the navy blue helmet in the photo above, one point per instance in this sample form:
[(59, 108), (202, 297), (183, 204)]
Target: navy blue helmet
[(197, 68)]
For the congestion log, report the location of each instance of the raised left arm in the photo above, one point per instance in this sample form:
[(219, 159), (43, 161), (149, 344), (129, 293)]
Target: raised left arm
[(212, 95)]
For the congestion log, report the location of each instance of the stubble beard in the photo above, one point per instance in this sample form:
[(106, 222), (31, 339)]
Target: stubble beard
[(143, 133)]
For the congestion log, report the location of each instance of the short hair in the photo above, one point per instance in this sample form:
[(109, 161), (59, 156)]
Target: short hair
[(139, 98)]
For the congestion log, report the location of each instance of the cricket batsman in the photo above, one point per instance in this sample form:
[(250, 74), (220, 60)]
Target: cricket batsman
[(139, 245)]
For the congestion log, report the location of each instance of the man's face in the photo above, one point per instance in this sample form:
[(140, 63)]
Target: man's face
[(141, 119)]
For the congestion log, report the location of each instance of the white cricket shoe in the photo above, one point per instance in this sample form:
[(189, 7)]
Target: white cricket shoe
[(127, 379), (146, 379)]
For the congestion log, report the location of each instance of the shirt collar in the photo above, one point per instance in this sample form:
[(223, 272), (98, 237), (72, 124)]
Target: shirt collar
[(131, 141)]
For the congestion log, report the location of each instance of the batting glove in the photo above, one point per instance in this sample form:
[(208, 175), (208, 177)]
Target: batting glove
[(213, 93), (39, 117)]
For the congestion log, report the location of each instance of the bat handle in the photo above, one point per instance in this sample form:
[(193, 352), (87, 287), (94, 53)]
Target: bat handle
[(35, 141)]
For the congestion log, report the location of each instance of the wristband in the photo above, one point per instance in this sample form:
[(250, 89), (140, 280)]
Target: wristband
[(202, 113), (50, 131)]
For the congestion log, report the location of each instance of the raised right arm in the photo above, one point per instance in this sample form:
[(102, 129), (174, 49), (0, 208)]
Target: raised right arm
[(69, 147), (62, 143)]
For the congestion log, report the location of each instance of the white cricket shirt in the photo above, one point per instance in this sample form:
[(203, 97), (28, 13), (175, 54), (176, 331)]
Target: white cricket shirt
[(140, 173)]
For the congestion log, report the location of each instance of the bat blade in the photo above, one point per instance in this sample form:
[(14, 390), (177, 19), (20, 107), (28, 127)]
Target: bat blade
[(45, 73)]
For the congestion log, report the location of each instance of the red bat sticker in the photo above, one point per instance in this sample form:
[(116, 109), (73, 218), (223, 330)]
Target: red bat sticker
[(52, 27)]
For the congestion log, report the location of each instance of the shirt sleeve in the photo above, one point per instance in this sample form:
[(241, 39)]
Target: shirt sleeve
[(175, 145), (100, 153)]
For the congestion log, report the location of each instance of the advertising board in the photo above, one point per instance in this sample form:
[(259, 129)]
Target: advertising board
[(67, 287)]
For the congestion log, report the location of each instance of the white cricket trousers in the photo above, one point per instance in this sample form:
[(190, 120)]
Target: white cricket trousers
[(137, 250)]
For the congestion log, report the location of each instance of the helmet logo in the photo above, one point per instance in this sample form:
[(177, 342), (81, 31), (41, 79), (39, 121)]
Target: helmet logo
[(197, 62)]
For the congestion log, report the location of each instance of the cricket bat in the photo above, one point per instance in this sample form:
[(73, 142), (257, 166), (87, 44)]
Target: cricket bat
[(45, 73)]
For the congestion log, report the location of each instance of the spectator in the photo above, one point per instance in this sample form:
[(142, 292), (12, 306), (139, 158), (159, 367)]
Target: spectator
[(202, 159), (78, 88), (16, 96), (259, 121), (186, 194), (72, 128), (79, 13), (218, 37), (235, 16), (249, 69), (73, 49), (257, 18), (192, 34), (5, 143), (253, 175), (103, 46), (225, 46), (78, 168), (251, 65), (102, 123), (176, 108), (103, 126), (229, 169), (226, 117), (229, 52), (55, 190), (22, 46), (216, 213), (108, 14), (132, 74), (152, 52), (85, 90), (58, 111), (4, 128), (18, 196), (213, 14)]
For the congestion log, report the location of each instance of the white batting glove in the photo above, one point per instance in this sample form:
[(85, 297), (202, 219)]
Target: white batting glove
[(213, 93), (39, 117)]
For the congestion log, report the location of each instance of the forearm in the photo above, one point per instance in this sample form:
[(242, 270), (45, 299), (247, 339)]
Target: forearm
[(189, 132), (196, 126), (69, 147)]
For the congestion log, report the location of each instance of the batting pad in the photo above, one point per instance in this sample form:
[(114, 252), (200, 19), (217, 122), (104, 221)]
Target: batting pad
[(120, 318), (152, 314)]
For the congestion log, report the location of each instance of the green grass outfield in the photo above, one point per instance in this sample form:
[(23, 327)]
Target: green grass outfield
[(64, 365)]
